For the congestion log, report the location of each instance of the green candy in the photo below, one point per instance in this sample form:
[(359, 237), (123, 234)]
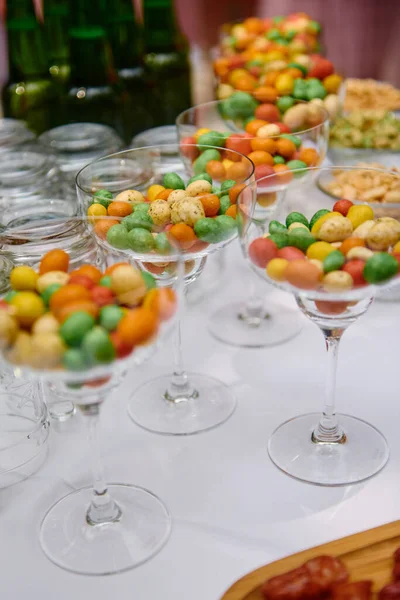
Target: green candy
[(300, 89), (320, 213), (225, 203), (296, 217), (290, 34), (199, 176), (314, 26), (316, 91), (211, 138), (173, 181), (161, 244), (97, 346), (278, 19), (117, 237), (301, 238), (105, 281), (49, 291), (280, 238), (149, 280), (215, 190), (297, 165), (137, 219), (228, 224), (209, 230), (380, 267), (295, 65), (200, 164), (110, 316), (140, 240), (227, 185), (293, 138), (284, 103), (75, 360), (142, 207), (74, 329), (240, 105), (10, 295), (103, 197), (279, 160), (276, 227), (273, 34), (333, 262)]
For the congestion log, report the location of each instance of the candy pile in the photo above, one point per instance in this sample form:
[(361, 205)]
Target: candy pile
[(53, 319), (269, 154), (173, 214), (335, 251)]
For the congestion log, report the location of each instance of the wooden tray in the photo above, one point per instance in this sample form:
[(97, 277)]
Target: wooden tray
[(367, 555)]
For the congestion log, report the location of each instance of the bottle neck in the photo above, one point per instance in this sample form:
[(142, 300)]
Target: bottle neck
[(90, 57), (56, 30), (161, 31), (27, 51), (124, 36)]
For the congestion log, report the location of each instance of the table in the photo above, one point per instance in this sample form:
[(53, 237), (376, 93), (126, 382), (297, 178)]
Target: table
[(232, 509)]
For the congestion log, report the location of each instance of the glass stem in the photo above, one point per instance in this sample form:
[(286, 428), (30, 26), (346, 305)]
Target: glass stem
[(179, 389), (102, 508), (253, 312), (328, 431)]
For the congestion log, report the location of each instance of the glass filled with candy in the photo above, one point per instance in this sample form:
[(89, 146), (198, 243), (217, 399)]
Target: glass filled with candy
[(189, 209), (335, 260), (79, 329), (278, 136)]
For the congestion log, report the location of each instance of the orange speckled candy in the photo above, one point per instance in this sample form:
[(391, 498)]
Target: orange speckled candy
[(119, 209), (103, 225), (55, 260), (302, 274)]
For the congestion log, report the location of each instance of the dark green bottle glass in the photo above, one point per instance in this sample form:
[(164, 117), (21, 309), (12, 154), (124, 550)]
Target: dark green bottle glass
[(126, 38), (56, 14), (166, 61), (30, 94)]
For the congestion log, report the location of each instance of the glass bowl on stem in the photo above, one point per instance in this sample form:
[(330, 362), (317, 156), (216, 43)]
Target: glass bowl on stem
[(333, 286), (80, 336), (182, 403), (252, 323)]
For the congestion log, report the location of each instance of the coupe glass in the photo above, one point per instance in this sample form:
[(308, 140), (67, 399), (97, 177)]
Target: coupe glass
[(325, 449), (251, 323), (103, 529), (184, 403)]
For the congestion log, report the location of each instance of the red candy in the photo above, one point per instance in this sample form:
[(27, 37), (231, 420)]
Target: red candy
[(267, 112), (82, 280), (102, 295), (290, 253), (261, 251), (239, 142), (261, 171), (355, 268), (342, 206)]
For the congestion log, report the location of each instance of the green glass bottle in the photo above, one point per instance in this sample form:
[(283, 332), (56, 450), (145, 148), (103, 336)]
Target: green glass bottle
[(166, 61), (56, 14), (126, 38), (92, 94), (30, 94)]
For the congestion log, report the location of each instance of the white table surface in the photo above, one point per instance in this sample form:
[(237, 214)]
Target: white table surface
[(232, 509)]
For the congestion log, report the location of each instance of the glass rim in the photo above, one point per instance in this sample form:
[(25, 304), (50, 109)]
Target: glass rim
[(297, 102)]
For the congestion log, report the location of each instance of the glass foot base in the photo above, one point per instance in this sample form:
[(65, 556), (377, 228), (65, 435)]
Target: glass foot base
[(279, 325), (62, 410), (72, 544), (364, 453), (213, 404)]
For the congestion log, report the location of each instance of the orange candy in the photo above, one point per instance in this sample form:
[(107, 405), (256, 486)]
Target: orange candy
[(309, 156), (232, 211), (259, 157), (302, 274), (211, 204), (351, 243), (235, 191), (89, 271), (103, 225), (111, 268), (270, 79), (253, 126), (281, 169), (119, 209), (162, 301), (79, 305), (246, 84), (254, 25), (183, 234), (238, 171), (264, 144), (265, 94), (55, 260), (164, 195), (285, 148), (137, 327), (66, 294), (216, 170), (331, 308)]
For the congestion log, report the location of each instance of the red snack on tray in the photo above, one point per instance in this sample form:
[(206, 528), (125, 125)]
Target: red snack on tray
[(396, 571), (358, 590), (396, 556), (309, 581), (390, 592)]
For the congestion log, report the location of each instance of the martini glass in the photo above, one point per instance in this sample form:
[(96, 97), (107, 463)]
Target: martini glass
[(182, 403), (251, 322), (103, 529), (327, 448)]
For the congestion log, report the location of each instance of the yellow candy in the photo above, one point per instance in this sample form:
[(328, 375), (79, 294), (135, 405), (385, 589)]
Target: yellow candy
[(317, 225), (396, 248), (96, 210), (126, 278), (319, 250), (153, 191), (274, 55), (227, 163), (284, 84), (28, 307), (276, 269), (48, 349), (337, 281), (332, 83), (200, 132), (8, 329), (359, 214), (335, 229), (23, 278), (22, 353), (46, 324)]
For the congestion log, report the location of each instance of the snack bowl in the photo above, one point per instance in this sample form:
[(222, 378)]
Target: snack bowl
[(24, 430)]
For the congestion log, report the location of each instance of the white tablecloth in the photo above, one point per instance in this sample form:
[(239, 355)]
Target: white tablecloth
[(232, 509)]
